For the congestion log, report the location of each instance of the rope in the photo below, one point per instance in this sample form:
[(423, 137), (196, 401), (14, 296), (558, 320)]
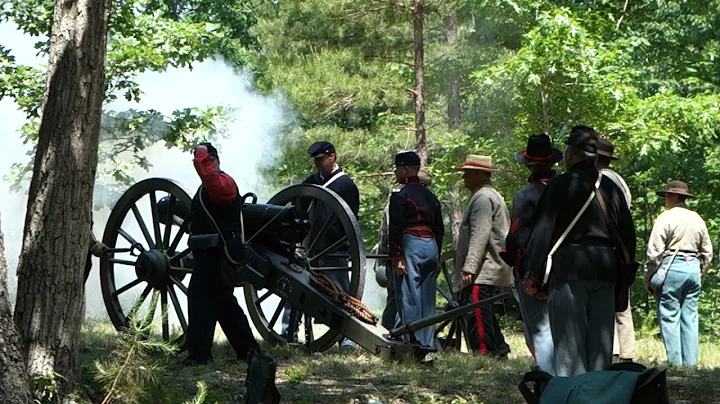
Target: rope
[(351, 303)]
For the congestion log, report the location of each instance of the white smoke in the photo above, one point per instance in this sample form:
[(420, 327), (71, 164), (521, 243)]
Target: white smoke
[(253, 131)]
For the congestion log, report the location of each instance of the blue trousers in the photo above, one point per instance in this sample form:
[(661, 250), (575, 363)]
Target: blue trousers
[(677, 305), (415, 291), (536, 321), (582, 320)]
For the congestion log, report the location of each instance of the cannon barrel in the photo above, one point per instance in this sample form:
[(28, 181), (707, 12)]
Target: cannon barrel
[(270, 221)]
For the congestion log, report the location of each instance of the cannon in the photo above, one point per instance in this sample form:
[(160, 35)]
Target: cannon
[(283, 269)]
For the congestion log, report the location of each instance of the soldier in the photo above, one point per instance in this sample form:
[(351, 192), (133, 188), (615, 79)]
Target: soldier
[(571, 234), (624, 335), (678, 257), (331, 176), (480, 272), (539, 157), (415, 239), (383, 268), (209, 300)]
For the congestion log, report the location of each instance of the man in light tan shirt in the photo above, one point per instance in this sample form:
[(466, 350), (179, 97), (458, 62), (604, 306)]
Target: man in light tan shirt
[(480, 271), (678, 256)]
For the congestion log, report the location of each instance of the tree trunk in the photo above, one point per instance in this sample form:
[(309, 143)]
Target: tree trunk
[(456, 212), (50, 292), (14, 386), (454, 112), (419, 105), (453, 91)]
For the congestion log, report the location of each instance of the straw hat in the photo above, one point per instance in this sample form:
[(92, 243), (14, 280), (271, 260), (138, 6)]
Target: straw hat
[(476, 162)]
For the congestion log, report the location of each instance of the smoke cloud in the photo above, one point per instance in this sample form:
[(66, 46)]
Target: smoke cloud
[(253, 130)]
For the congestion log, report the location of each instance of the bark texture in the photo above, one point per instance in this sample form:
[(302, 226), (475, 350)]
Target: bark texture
[(419, 104), (50, 295), (453, 91), (14, 386)]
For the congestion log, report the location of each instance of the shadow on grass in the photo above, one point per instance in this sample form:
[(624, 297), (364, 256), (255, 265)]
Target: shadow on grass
[(358, 377)]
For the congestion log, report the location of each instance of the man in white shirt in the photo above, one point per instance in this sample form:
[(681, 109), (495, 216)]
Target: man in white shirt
[(678, 256), (624, 335)]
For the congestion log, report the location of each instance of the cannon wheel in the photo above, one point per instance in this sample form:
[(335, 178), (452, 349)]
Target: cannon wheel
[(148, 262), (450, 332), (267, 309)]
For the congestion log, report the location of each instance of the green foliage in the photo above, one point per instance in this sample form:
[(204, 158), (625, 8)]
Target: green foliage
[(45, 388)]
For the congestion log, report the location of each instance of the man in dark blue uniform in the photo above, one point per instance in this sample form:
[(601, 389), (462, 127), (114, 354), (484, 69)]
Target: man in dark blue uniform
[(415, 239), (209, 300), (539, 157), (331, 176)]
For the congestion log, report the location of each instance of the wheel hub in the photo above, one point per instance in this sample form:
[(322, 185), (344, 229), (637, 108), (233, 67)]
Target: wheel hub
[(153, 266)]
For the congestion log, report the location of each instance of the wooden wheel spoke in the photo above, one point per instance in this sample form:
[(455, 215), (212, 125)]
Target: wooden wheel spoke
[(324, 229), (138, 303), (276, 315), (168, 222), (128, 237), (334, 247), (181, 270), (181, 254), (143, 226), (444, 294), (179, 284), (176, 241), (122, 262), (178, 308), (127, 287), (331, 269), (165, 315), (263, 297), (156, 219)]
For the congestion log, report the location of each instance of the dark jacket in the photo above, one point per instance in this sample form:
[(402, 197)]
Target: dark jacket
[(348, 191), (413, 205), (588, 252), (523, 209)]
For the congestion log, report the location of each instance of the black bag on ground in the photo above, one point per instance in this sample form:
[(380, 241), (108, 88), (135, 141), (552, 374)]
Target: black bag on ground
[(650, 387)]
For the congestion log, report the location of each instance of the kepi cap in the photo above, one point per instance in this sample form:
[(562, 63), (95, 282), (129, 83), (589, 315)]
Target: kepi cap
[(407, 158), (320, 149)]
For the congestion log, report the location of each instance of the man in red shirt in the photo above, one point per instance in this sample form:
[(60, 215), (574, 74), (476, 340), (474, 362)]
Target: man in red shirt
[(209, 300)]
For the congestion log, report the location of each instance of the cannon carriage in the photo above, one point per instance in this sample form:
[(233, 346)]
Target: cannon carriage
[(282, 276)]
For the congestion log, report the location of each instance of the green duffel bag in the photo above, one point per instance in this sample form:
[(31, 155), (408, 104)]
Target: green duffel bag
[(620, 383)]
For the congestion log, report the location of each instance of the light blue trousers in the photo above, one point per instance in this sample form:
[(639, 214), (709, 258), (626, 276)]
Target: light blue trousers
[(677, 305), (582, 320), (536, 322), (415, 291)]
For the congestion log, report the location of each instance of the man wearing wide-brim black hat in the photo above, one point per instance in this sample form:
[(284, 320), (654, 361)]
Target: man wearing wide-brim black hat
[(539, 156), (678, 256), (572, 255)]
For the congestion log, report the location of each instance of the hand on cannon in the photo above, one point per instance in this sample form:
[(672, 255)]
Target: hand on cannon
[(533, 288), (98, 249)]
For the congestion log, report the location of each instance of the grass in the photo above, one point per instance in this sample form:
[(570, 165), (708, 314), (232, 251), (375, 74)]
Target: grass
[(358, 377)]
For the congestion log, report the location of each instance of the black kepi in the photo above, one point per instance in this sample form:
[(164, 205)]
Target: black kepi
[(539, 151)]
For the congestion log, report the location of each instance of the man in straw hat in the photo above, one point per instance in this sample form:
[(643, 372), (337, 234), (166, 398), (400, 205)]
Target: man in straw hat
[(415, 238), (539, 157), (572, 255), (678, 257), (624, 335), (384, 268), (480, 272)]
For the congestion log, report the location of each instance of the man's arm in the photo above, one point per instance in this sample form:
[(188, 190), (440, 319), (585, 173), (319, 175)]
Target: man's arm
[(656, 245), (520, 229), (544, 222), (706, 250), (220, 186), (481, 214), (397, 217), (438, 227), (625, 225)]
